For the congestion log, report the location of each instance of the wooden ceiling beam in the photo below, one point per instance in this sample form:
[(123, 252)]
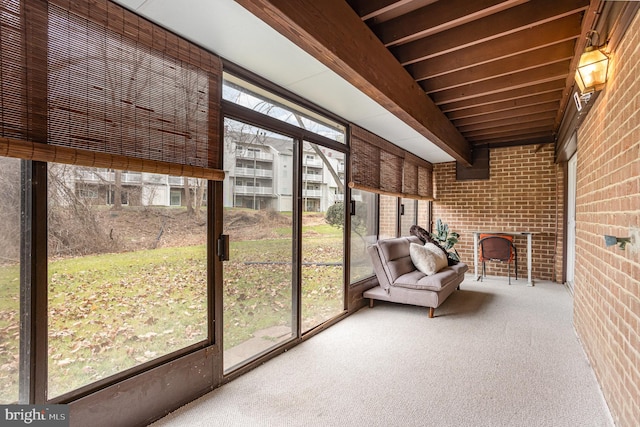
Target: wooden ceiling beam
[(480, 110), (501, 24), (515, 112), (566, 28), (437, 17), (503, 96), (321, 29), (368, 9), (522, 79), (542, 137), (488, 123), (515, 129), (503, 67)]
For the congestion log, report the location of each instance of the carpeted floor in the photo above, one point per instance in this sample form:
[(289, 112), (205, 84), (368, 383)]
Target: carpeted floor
[(495, 355)]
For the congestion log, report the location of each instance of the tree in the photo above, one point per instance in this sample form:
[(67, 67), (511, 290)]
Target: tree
[(335, 217)]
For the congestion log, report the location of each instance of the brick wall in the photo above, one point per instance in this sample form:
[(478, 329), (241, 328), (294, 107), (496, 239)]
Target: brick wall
[(607, 279), (388, 217), (524, 193)]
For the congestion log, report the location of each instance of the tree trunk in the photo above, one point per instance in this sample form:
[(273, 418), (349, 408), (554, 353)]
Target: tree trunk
[(117, 191), (187, 196)]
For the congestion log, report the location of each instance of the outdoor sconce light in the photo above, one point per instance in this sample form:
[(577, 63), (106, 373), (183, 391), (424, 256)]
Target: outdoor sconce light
[(591, 74), (613, 240)]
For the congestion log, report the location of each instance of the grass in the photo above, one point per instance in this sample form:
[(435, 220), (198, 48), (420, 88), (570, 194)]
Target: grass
[(111, 312)]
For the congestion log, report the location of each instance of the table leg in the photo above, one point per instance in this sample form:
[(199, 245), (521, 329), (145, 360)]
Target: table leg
[(529, 238), (475, 255)]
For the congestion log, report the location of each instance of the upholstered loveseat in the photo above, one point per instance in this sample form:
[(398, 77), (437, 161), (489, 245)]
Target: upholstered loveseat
[(400, 280)]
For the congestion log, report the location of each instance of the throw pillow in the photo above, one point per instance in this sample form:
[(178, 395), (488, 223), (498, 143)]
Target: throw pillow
[(422, 258), (440, 255), (425, 236)]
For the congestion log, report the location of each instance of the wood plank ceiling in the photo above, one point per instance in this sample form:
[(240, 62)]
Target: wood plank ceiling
[(501, 71)]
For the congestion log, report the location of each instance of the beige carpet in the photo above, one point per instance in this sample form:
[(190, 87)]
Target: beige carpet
[(495, 355)]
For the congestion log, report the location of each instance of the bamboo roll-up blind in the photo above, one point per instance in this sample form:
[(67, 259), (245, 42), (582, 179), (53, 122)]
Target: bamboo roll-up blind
[(365, 160), (390, 172), (381, 167), (13, 111), (28, 150), (409, 178), (100, 78), (111, 93), (425, 182)]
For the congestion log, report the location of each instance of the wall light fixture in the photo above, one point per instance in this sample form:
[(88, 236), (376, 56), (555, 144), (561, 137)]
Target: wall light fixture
[(591, 74)]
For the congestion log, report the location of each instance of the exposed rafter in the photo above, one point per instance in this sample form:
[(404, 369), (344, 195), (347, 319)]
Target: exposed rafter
[(321, 29)]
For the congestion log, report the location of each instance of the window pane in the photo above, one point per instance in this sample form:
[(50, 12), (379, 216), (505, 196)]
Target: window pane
[(409, 217), (9, 279), (423, 214), (322, 235), (127, 275), (363, 233), (258, 278), (388, 217), (250, 96)]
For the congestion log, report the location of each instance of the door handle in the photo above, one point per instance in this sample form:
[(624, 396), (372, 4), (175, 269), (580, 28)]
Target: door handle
[(223, 247)]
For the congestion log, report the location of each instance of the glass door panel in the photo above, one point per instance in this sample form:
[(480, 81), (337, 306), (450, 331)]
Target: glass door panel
[(323, 220), (364, 227), (258, 278), (388, 217), (10, 266), (407, 216)]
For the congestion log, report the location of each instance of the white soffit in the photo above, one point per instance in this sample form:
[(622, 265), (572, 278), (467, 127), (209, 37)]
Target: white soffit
[(230, 31)]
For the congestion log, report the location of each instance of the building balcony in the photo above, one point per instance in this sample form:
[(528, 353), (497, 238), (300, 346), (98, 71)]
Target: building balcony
[(259, 173), (315, 163), (252, 155), (312, 193), (103, 176), (311, 177), (245, 189), (178, 181)]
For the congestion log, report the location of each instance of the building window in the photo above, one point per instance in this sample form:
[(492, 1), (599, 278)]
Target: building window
[(176, 198), (87, 194), (113, 194)]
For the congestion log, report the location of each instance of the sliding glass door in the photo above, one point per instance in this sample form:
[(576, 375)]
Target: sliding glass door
[(323, 220), (258, 218)]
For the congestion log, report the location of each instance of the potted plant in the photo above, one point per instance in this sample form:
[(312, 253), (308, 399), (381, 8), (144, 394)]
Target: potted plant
[(447, 239)]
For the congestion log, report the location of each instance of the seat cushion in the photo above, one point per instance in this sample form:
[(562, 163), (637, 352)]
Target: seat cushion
[(418, 280)]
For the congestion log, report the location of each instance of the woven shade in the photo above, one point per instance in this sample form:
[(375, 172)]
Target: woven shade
[(101, 79), (12, 61), (425, 183), (390, 172), (379, 166), (365, 161), (410, 178), (28, 150)]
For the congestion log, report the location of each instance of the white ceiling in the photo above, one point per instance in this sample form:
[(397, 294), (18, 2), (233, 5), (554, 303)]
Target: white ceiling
[(230, 31)]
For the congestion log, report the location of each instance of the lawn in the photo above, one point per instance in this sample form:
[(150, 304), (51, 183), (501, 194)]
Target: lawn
[(111, 312)]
